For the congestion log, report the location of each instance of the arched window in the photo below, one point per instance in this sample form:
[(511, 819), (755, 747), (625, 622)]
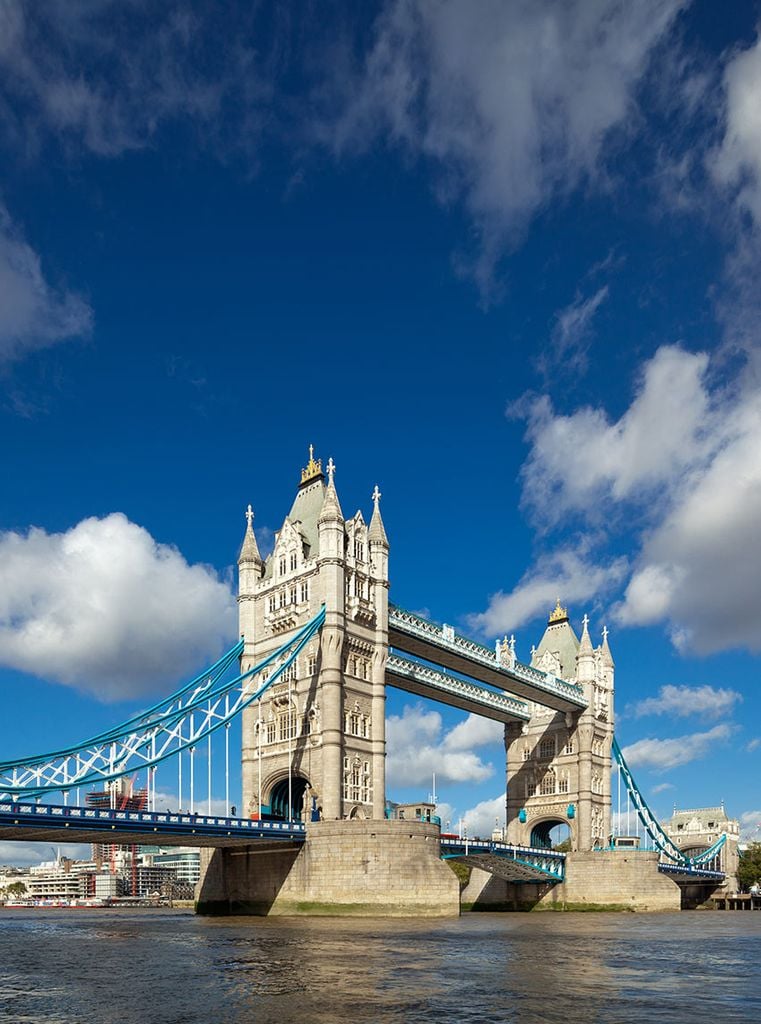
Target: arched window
[(548, 783)]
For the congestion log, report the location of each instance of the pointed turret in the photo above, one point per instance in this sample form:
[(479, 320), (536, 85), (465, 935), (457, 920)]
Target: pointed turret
[(249, 552), (607, 657), (331, 507), (377, 531), (585, 659)]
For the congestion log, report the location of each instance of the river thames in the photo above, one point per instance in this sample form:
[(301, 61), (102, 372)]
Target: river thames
[(170, 967)]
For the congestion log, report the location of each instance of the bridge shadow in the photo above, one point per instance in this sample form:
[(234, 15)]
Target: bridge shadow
[(244, 880)]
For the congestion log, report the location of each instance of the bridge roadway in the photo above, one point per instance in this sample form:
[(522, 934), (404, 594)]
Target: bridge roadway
[(54, 824), (441, 645)]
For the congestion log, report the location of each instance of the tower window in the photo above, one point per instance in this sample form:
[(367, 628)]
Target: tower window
[(282, 565), (305, 591), (547, 748), (293, 560)]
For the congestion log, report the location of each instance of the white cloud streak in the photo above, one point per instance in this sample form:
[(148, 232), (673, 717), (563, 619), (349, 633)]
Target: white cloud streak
[(105, 608), (683, 701), (514, 107), (33, 313), (662, 754)]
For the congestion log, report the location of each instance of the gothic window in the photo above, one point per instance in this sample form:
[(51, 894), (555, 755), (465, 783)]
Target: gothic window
[(359, 550), (287, 726), (282, 599), (596, 782), (282, 565), (270, 732), (563, 782), (365, 727), (304, 591), (293, 560), (311, 664), (547, 748), (526, 754), (530, 787), (548, 783), (354, 725), (289, 673), (569, 747), (293, 595), (272, 603)]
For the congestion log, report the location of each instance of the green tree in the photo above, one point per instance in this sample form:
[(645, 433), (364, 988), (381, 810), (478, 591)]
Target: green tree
[(15, 890), (749, 870)]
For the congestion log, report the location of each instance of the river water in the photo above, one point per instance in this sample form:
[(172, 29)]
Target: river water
[(170, 967)]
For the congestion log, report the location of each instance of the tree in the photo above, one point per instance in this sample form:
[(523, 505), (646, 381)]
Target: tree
[(749, 871), (15, 890)]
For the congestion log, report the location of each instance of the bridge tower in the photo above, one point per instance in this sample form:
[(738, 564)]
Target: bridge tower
[(315, 745), (559, 765)]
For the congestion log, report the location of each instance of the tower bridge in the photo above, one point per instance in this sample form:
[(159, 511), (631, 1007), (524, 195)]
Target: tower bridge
[(319, 645)]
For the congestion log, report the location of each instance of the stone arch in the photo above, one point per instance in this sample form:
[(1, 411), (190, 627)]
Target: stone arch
[(276, 796), (540, 829)]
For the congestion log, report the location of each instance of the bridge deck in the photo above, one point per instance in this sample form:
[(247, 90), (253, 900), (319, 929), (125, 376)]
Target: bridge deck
[(424, 681), (36, 822), (513, 863), (441, 645)]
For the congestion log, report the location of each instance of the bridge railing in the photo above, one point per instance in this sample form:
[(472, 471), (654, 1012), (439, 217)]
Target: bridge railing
[(447, 638), (40, 815), (548, 862)]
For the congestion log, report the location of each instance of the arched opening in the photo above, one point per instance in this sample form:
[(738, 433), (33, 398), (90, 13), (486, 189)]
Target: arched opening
[(279, 808), (553, 834)]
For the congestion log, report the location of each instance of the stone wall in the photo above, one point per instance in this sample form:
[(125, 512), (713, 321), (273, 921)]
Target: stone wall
[(613, 878), (377, 868)]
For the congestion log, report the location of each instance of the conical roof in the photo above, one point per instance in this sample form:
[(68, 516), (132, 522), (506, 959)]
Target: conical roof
[(249, 551), (377, 531), (560, 639)]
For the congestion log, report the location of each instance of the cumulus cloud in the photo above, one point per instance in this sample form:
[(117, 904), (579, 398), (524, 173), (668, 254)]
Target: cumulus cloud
[(566, 572), (662, 754), (662, 787), (105, 608), (583, 461), (513, 107), (485, 816), (34, 314), (682, 701), (684, 463), (753, 744), (417, 747)]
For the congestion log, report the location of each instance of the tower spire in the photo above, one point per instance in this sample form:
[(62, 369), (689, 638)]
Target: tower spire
[(607, 657), (377, 532), (249, 551), (331, 507)]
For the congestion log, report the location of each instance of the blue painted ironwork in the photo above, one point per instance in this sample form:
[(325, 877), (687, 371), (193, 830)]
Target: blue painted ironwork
[(47, 816), (660, 838), (446, 638), (176, 724), (549, 864)]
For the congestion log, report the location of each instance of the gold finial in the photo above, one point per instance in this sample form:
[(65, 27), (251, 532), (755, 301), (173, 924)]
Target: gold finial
[(313, 467), (560, 614)]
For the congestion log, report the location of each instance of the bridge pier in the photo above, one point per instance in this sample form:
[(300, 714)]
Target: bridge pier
[(372, 868), (605, 879)]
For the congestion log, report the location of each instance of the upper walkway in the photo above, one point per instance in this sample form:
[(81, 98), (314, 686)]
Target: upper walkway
[(441, 645)]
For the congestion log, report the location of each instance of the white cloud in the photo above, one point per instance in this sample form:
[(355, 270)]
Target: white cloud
[(485, 816), (753, 744), (684, 461), (108, 610), (583, 460), (662, 787), (33, 313), (24, 855), (688, 700), (565, 573), (750, 826), (671, 753), (416, 749), (513, 107), (474, 731), (737, 162), (573, 328)]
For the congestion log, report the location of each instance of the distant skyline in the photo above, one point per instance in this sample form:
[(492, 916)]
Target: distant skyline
[(501, 264)]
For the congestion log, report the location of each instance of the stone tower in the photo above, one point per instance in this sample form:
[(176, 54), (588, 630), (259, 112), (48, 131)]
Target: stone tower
[(315, 743), (559, 765)]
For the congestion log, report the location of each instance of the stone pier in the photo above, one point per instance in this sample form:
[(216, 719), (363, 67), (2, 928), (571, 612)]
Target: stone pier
[(373, 868)]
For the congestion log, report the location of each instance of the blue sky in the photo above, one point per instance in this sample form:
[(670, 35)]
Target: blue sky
[(501, 263)]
